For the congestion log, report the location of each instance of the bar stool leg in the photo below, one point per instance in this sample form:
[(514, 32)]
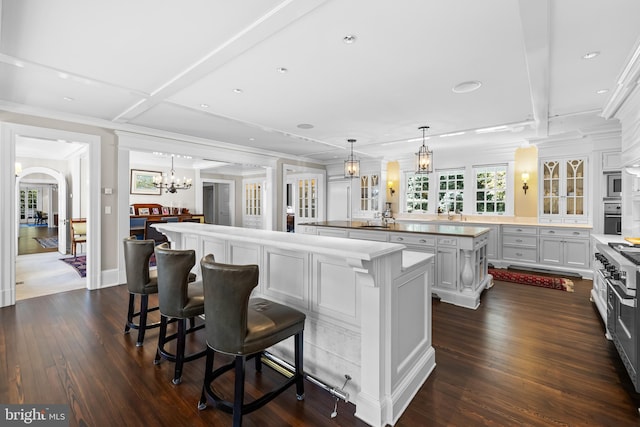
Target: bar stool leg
[(208, 370), (182, 323), (144, 307), (299, 369), (238, 397), (161, 339), (129, 313)]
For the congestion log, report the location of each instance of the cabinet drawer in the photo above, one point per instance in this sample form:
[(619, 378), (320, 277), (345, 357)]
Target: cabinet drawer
[(520, 254), (412, 239), (509, 239), (378, 236), (519, 230), (332, 232), (564, 232), (447, 241)]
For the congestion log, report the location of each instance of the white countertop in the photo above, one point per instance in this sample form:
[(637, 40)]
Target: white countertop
[(493, 220), (332, 246), (447, 228)]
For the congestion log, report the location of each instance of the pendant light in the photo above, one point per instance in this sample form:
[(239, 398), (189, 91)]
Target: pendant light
[(351, 165), (170, 183), (424, 157)]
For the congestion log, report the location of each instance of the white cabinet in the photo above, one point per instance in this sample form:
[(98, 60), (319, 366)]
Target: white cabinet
[(563, 190), (611, 161), (520, 243), (447, 269), (565, 247)]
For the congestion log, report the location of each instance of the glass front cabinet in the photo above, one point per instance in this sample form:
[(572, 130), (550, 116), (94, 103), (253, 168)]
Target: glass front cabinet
[(563, 190)]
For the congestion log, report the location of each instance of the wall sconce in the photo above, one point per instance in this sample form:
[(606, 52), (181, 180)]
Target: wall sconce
[(391, 190), (525, 178), (18, 168)]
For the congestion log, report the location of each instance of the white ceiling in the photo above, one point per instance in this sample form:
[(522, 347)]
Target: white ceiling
[(153, 64)]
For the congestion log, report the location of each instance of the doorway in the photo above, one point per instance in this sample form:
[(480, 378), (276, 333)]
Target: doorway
[(217, 203), (10, 133)]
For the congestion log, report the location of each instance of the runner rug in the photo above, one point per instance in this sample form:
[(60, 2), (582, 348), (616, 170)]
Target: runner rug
[(532, 279), (47, 242), (78, 263)]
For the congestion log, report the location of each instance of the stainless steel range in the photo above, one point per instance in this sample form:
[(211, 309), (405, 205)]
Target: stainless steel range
[(617, 265)]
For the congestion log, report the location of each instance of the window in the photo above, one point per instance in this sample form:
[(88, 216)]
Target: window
[(417, 193), (450, 190), (491, 189)]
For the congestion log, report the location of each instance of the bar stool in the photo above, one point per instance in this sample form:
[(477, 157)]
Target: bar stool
[(140, 281), (244, 328), (179, 300)]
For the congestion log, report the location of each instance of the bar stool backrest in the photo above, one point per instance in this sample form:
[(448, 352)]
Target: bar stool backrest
[(136, 262), (227, 289), (173, 279)]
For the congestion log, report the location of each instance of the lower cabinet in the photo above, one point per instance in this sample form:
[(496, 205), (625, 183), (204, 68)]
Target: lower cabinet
[(447, 271), (564, 252)]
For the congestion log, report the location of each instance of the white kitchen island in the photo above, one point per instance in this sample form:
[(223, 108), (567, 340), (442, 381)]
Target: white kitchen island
[(368, 306)]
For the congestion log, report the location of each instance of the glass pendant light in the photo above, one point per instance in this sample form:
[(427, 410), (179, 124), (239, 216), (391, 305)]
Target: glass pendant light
[(351, 165), (424, 157)]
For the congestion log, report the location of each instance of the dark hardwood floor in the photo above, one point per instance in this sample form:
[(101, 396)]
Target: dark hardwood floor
[(527, 356)]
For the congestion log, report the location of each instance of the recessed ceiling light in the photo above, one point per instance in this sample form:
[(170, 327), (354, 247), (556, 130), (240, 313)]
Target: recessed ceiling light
[(204, 105), (466, 87), (590, 55), (68, 98), (282, 70), (601, 91), (252, 139), (237, 90), (350, 39), (305, 126)]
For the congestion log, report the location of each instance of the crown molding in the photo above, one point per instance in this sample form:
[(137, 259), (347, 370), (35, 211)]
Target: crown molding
[(627, 82)]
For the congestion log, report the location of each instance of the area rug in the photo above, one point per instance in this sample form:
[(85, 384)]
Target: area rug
[(47, 242), (79, 264), (532, 279)]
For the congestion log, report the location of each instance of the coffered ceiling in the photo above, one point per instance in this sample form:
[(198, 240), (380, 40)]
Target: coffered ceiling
[(281, 76)]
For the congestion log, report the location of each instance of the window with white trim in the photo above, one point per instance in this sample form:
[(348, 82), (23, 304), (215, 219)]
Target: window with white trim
[(416, 192), (450, 190), (491, 189)]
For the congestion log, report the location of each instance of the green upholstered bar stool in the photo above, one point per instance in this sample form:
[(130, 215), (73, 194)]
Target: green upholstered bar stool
[(179, 300), (242, 327), (140, 281)]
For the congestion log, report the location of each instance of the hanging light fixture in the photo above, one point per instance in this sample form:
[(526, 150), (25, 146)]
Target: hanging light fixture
[(170, 183), (424, 157), (351, 165)]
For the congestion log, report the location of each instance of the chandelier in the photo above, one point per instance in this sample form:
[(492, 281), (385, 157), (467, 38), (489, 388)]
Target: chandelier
[(351, 165), (424, 157), (170, 183)]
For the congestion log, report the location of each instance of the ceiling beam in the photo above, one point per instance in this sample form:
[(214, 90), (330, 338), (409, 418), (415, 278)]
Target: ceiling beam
[(535, 20)]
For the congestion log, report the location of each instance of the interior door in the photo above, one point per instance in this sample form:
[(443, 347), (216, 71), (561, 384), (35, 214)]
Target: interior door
[(62, 216), (224, 213)]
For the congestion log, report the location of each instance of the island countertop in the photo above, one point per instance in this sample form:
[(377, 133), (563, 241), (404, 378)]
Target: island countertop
[(444, 229)]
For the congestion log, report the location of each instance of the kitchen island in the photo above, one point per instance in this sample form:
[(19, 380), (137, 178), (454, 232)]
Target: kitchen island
[(368, 307), (461, 252)]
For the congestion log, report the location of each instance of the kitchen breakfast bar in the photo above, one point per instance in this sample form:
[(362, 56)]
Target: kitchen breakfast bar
[(368, 306)]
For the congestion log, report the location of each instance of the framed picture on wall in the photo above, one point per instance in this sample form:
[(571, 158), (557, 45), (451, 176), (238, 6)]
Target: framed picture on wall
[(142, 182), (155, 211), (165, 210), (143, 211), (132, 210)]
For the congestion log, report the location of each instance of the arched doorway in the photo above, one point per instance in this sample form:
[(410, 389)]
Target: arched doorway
[(62, 202)]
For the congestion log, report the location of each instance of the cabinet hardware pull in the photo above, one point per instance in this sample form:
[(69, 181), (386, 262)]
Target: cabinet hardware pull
[(552, 232), (400, 239), (518, 229), (518, 254), (519, 240), (422, 241), (576, 232)]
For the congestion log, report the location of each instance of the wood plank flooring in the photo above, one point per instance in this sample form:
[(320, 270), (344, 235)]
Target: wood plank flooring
[(28, 245), (527, 356)]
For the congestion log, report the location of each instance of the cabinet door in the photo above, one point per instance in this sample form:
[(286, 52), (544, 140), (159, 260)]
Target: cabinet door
[(551, 187), (576, 253), (551, 251), (369, 192), (574, 184), (447, 270)]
